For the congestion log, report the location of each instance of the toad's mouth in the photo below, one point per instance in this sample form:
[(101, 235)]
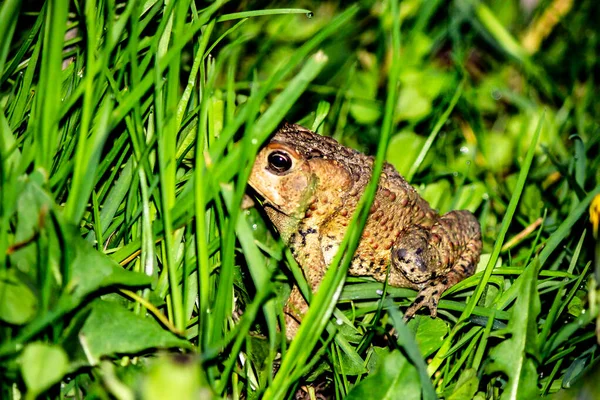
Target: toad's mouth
[(265, 202), (269, 205)]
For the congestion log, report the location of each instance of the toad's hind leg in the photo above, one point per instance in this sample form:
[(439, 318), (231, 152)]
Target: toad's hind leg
[(451, 255)]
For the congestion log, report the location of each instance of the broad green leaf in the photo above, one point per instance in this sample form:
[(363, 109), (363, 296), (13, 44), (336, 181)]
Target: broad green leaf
[(463, 162), (513, 356), (351, 362), (466, 387), (348, 333), (471, 196), (92, 270), (174, 378), (575, 306), (403, 150), (429, 333), (365, 112), (77, 270), (522, 128), (33, 204), (89, 269), (42, 365), (430, 82), (498, 151), (483, 261), (378, 355), (364, 108), (436, 194), (111, 329), (18, 304), (419, 89), (412, 105), (488, 93), (531, 204), (259, 351), (396, 378), (420, 44)]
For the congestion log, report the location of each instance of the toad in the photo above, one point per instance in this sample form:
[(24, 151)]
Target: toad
[(311, 185)]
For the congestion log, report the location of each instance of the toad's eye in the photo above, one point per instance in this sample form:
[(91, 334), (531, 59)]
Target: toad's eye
[(279, 161)]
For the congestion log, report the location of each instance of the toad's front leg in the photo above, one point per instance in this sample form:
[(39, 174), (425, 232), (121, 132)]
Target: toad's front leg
[(313, 266), (436, 258)]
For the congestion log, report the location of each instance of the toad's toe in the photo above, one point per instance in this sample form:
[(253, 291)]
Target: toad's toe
[(428, 297)]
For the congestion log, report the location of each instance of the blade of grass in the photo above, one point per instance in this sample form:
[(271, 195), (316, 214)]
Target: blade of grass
[(8, 18), (261, 13), (201, 238), (48, 98)]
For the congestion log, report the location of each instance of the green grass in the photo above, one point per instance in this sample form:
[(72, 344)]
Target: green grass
[(129, 268)]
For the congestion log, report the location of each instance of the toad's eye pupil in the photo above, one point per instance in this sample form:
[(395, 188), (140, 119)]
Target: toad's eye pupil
[(279, 161)]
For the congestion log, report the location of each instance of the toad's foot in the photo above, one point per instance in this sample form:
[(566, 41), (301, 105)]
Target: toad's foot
[(428, 297)]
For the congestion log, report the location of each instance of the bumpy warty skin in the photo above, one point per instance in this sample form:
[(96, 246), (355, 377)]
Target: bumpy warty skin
[(311, 185)]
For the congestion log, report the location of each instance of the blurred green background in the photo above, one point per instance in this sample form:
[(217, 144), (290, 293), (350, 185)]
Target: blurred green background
[(129, 268)]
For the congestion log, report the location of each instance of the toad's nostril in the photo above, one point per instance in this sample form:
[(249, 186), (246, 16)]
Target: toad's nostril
[(420, 264)]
